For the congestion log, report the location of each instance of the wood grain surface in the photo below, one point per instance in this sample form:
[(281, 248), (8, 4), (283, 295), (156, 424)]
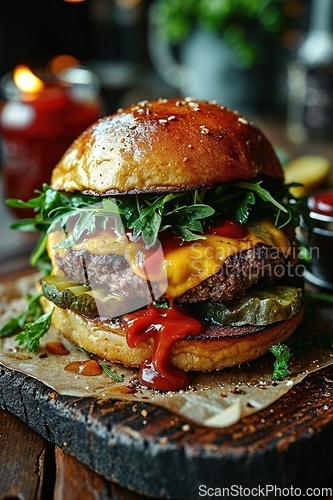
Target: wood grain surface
[(33, 469), (289, 443), (160, 455), (20, 477)]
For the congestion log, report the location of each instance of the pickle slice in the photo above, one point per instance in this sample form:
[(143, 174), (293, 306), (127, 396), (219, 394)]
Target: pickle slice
[(79, 297), (259, 306)]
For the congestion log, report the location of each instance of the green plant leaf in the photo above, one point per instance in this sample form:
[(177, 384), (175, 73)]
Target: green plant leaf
[(185, 214), (34, 330), (261, 192), (282, 356), (107, 370)]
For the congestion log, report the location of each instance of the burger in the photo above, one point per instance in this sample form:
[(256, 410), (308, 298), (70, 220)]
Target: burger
[(171, 237)]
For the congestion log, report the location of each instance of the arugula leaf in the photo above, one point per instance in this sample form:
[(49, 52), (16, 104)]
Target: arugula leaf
[(34, 311), (186, 214), (107, 370), (243, 210), (185, 221), (282, 355), (148, 223), (86, 220), (161, 304), (261, 192), (34, 330), (33, 323), (12, 326)]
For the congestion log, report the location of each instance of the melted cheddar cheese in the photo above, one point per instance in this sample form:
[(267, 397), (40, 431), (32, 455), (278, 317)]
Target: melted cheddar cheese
[(183, 266)]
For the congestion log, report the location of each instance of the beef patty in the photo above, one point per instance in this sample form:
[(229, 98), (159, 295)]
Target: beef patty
[(238, 273)]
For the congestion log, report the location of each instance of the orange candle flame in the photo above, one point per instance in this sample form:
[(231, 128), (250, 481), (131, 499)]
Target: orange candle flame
[(26, 81)]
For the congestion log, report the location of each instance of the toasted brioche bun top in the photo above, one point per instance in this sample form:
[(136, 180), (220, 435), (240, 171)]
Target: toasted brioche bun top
[(166, 145)]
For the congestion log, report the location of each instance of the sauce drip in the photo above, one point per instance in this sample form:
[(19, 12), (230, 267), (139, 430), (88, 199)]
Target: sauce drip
[(89, 368), (56, 348), (322, 203), (167, 326), (228, 228)]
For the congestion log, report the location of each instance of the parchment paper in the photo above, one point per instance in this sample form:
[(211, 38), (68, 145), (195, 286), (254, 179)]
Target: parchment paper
[(216, 399)]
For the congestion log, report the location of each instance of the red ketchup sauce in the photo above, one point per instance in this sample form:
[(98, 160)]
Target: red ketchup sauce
[(56, 348), (167, 326), (228, 228), (89, 368), (322, 203)]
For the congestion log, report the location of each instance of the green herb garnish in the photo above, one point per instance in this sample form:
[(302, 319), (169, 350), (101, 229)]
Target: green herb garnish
[(32, 324), (161, 304), (282, 355), (255, 187), (106, 369), (32, 313), (185, 214), (34, 330)]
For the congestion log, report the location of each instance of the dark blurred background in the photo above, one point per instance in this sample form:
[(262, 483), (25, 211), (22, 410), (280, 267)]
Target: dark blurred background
[(271, 60), (111, 37)]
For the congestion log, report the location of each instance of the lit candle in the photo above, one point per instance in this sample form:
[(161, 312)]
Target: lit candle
[(37, 125)]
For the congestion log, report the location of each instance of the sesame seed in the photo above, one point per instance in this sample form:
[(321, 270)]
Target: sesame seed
[(140, 111), (162, 120), (193, 104), (143, 103), (120, 110), (189, 99), (185, 159), (144, 413), (180, 103), (190, 146), (242, 120), (186, 427), (172, 117), (213, 102), (204, 130)]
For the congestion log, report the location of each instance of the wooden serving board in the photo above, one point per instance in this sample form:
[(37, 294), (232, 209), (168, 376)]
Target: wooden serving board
[(153, 452)]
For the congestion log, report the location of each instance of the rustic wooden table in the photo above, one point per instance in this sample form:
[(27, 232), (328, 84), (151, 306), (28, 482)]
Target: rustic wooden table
[(32, 468)]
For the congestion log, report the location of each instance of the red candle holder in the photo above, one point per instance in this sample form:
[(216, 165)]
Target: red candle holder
[(36, 129)]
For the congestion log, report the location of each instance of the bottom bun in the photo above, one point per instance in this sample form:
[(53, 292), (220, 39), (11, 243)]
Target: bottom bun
[(216, 349)]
